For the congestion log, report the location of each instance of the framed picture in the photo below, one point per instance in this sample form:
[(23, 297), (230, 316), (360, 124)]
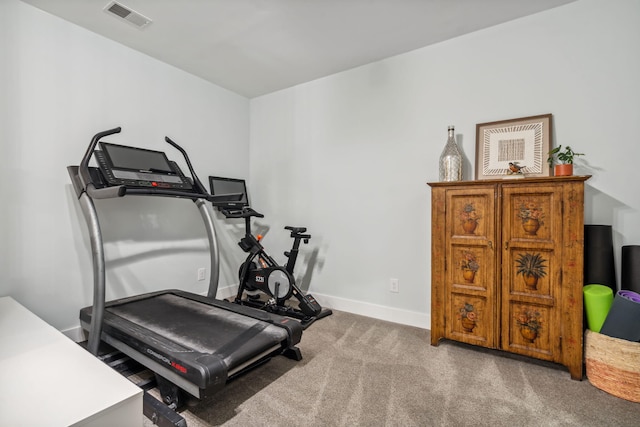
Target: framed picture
[(504, 147)]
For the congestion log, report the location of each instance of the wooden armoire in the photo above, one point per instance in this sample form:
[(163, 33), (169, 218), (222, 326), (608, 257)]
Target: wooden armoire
[(507, 266)]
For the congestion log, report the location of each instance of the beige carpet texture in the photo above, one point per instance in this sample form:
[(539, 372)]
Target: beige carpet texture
[(358, 371)]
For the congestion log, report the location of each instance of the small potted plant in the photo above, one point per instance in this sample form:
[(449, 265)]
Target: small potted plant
[(563, 160)]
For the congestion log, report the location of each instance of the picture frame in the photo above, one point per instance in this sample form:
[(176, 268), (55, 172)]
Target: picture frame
[(524, 141)]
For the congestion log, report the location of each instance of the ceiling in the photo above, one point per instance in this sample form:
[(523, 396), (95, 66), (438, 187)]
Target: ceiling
[(254, 47)]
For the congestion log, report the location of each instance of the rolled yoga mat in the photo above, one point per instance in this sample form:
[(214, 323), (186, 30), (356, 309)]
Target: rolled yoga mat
[(597, 303), (630, 272), (599, 266), (623, 319)]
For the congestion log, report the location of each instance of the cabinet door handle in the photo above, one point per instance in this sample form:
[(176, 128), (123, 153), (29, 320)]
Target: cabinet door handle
[(506, 245), (490, 244)]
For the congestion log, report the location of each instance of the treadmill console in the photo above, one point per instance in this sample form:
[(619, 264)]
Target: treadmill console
[(138, 167)]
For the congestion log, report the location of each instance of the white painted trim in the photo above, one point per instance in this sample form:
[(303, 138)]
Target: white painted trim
[(376, 311)]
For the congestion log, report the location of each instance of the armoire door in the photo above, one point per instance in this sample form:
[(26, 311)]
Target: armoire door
[(470, 266), (531, 270)]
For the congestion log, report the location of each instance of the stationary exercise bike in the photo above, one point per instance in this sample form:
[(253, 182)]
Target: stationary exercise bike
[(260, 273)]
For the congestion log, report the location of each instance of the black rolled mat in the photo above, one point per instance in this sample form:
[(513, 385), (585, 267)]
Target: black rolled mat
[(599, 265), (630, 273)]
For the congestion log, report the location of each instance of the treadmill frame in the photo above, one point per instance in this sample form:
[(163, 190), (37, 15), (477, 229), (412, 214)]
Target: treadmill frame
[(82, 178)]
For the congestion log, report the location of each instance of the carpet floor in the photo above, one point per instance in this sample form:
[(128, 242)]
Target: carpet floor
[(358, 371)]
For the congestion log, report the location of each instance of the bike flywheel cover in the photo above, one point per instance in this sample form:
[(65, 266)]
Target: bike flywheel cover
[(280, 279)]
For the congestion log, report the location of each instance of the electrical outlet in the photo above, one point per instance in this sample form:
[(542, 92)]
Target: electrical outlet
[(201, 273), (394, 285)]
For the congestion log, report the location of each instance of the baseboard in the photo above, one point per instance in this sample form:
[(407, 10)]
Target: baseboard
[(376, 311), (227, 292)]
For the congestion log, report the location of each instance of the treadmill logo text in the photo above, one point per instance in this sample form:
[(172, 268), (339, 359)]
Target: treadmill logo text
[(166, 360)]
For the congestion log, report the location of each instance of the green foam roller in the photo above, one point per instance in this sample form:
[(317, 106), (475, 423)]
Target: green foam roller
[(597, 302)]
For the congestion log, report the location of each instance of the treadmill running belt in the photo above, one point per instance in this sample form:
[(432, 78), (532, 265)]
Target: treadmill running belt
[(202, 327)]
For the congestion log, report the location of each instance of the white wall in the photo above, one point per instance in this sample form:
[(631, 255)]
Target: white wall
[(59, 85), (349, 155)]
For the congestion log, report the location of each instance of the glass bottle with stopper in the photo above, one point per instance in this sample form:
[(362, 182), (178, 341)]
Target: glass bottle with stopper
[(451, 159)]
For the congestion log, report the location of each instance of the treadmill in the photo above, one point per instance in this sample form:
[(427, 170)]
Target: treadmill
[(193, 343)]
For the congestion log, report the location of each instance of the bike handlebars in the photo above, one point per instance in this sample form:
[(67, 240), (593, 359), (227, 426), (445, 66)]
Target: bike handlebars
[(245, 212)]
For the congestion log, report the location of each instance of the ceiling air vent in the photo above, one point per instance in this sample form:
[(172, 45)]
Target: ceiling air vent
[(127, 14)]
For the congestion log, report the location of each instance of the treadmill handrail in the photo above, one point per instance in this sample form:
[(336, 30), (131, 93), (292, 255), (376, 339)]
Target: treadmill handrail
[(87, 191), (196, 180), (83, 170), (121, 190)]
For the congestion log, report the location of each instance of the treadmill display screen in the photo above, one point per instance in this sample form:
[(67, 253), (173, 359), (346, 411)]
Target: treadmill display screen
[(136, 159)]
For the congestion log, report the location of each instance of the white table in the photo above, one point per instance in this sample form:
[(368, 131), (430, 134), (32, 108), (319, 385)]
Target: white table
[(48, 380)]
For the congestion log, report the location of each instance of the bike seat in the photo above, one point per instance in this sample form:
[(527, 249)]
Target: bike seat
[(296, 230)]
